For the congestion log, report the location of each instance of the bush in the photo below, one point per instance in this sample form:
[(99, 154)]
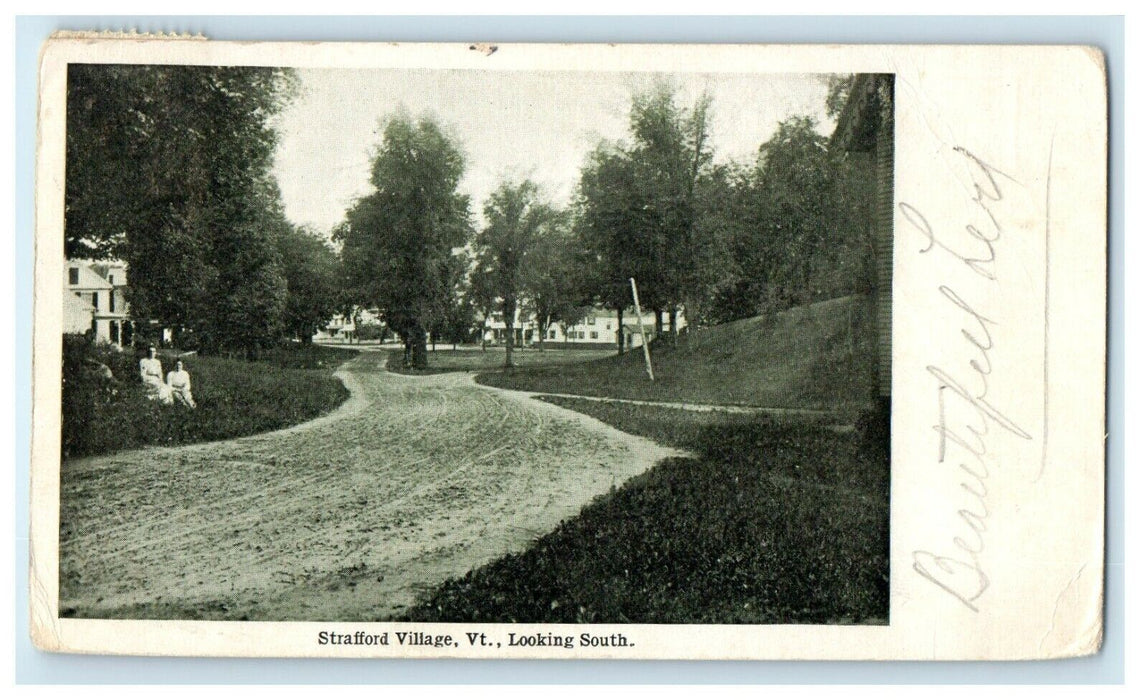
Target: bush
[(105, 407), (370, 331)]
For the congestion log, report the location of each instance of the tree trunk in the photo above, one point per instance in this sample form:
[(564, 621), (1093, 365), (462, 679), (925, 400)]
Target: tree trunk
[(674, 326), (621, 333), (418, 347), (508, 308), (482, 331), (542, 331)]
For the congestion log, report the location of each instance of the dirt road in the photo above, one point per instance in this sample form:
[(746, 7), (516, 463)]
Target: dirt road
[(347, 517)]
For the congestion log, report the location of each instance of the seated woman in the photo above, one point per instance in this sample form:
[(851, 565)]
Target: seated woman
[(179, 382), (151, 373)]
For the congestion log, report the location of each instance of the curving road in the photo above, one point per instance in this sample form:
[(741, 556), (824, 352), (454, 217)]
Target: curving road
[(348, 517)]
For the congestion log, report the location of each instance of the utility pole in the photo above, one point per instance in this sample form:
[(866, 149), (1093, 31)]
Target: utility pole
[(642, 328)]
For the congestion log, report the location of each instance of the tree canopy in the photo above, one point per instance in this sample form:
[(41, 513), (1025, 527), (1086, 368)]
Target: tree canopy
[(517, 221), (169, 169), (639, 205), (312, 272), (399, 240)]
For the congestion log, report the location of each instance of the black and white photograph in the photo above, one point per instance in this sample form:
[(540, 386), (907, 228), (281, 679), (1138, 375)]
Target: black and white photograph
[(458, 346), (568, 351)]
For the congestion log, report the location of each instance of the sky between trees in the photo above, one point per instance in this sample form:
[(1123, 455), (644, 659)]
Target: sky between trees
[(511, 125)]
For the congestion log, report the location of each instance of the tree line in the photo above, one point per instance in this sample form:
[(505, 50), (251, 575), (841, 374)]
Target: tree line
[(717, 241), (169, 168)]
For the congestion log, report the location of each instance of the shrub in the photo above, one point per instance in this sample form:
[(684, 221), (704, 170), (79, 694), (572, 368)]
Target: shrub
[(106, 409)]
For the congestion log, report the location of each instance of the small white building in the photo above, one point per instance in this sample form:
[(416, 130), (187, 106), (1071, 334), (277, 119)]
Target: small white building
[(95, 300), (342, 328), (598, 329)]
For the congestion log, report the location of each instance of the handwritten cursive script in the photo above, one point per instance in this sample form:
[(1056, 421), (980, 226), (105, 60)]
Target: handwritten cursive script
[(959, 572)]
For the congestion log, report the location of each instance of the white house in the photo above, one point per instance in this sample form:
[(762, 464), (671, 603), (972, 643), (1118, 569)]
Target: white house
[(95, 300), (598, 329), (346, 328)]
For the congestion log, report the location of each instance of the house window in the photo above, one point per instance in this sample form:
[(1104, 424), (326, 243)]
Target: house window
[(73, 275), (591, 321), (96, 300), (111, 279), (593, 335), (112, 301), (607, 325), (553, 334)]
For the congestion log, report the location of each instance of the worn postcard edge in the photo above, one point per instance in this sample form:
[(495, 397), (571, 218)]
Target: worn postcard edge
[(1055, 613)]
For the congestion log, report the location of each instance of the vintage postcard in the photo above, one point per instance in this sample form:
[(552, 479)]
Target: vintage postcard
[(569, 351)]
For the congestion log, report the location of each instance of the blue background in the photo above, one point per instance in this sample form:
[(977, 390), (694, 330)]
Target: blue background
[(33, 666)]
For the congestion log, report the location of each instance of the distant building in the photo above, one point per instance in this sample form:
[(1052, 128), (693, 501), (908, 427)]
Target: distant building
[(349, 328), (95, 300), (598, 329)]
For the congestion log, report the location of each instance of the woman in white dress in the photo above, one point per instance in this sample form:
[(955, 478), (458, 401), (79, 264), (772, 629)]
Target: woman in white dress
[(179, 382), (151, 373)]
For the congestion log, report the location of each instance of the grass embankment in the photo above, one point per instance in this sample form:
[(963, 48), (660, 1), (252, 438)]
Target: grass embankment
[(813, 357), (289, 385), (475, 359), (770, 523)]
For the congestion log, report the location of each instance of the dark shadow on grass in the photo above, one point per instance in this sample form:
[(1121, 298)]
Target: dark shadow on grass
[(769, 523)]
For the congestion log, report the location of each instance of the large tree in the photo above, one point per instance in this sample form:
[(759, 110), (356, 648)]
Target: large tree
[(516, 220), (670, 156), (481, 294), (639, 205), (169, 168), (553, 286), (399, 239), (311, 269), (795, 225)]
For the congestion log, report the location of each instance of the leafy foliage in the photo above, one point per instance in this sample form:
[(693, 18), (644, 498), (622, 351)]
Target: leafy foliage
[(169, 169), (796, 227), (399, 240), (554, 290), (639, 204), (312, 271), (838, 86), (517, 221)]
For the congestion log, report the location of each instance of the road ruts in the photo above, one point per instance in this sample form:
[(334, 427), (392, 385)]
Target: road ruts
[(347, 517)]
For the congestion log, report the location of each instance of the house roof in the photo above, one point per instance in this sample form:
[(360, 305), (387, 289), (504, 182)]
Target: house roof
[(107, 268), (88, 278)]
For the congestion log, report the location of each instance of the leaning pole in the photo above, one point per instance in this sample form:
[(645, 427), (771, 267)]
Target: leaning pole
[(642, 329)]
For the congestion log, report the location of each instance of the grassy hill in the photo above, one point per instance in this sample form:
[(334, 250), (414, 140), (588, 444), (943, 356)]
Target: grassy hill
[(766, 520), (815, 356)]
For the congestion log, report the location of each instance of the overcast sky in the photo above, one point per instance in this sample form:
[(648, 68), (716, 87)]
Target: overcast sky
[(510, 125)]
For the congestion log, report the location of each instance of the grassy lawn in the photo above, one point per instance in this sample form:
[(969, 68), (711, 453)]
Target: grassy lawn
[(814, 357), (289, 385), (770, 523), (475, 359)]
